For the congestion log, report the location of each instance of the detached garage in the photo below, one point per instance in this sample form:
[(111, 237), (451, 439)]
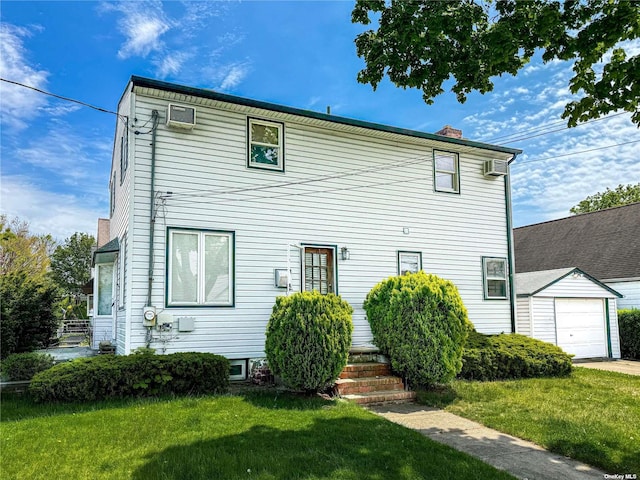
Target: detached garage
[(571, 309)]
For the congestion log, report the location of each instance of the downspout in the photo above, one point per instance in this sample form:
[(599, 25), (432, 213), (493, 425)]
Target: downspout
[(512, 268), (152, 219)]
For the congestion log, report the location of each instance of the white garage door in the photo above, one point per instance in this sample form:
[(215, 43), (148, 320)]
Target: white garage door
[(580, 324)]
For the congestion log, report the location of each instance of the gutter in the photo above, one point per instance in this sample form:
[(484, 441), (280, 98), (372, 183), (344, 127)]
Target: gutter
[(152, 220), (511, 253)]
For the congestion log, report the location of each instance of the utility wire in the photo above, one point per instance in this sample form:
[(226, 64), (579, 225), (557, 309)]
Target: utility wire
[(576, 153), (67, 99), (348, 173), (506, 138)]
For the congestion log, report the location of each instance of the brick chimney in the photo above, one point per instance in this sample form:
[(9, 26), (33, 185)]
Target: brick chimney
[(103, 232), (449, 131)]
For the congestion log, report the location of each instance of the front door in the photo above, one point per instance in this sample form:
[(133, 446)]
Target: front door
[(319, 269)]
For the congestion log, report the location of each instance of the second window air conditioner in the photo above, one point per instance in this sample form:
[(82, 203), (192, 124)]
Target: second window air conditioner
[(496, 168)]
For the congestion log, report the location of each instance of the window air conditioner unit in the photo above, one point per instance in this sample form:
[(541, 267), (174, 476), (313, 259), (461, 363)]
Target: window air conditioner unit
[(496, 168), (180, 116)]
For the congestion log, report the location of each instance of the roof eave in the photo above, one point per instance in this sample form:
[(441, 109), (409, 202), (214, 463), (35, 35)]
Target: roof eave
[(223, 97)]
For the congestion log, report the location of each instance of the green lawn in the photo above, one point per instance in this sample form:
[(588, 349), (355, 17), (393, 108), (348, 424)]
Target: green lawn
[(253, 436), (592, 416)]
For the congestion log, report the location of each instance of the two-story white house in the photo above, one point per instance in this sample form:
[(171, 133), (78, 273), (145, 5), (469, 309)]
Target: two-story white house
[(214, 198)]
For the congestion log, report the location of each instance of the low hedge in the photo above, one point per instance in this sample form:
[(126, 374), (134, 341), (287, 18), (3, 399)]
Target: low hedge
[(629, 325), (510, 356), (23, 366), (137, 375)]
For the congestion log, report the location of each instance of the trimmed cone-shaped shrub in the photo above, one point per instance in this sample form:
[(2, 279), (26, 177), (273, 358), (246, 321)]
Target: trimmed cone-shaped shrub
[(308, 339), (629, 324), (419, 321)]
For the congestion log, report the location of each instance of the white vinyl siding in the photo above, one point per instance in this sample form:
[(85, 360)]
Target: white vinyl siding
[(366, 211), (631, 292), (544, 319), (523, 314)]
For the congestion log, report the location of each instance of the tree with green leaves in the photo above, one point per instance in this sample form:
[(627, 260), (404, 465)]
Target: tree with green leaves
[(71, 263), (423, 44), (27, 294), (621, 195), (21, 251)]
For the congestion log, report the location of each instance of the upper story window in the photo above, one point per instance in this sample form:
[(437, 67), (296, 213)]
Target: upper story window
[(200, 268), (494, 273), (124, 159), (446, 172), (265, 145), (112, 194)]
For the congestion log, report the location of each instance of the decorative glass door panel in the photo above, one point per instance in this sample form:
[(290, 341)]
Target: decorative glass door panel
[(319, 269)]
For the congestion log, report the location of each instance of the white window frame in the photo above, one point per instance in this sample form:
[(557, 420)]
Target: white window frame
[(455, 173), (402, 253), (486, 278), (280, 146), (243, 368), (334, 267), (124, 157), (202, 234), (96, 297)]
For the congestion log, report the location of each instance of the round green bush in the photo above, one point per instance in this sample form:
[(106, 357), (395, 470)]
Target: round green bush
[(23, 366), (629, 324), (308, 339), (511, 356), (419, 321)]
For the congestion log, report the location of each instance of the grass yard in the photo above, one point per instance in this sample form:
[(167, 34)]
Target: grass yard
[(252, 436), (592, 416)]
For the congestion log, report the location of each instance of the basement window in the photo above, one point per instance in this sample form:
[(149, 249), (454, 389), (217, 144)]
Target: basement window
[(409, 262)]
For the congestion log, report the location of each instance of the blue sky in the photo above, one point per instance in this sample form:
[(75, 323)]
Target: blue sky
[(56, 155)]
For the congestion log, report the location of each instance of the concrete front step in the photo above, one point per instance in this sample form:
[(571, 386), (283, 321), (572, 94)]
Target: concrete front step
[(380, 397), (346, 386), (369, 369)]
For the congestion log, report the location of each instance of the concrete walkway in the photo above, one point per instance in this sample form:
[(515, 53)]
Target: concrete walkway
[(630, 367), (520, 458)]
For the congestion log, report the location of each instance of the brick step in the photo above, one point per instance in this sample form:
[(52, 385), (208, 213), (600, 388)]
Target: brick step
[(385, 396), (368, 384), (359, 370)]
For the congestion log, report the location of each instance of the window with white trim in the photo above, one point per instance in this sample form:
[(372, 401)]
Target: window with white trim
[(124, 158), (265, 145), (200, 270), (446, 172), (494, 271), (409, 262)]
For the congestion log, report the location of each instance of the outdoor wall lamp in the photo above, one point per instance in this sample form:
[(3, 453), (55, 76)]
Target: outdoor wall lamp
[(345, 254)]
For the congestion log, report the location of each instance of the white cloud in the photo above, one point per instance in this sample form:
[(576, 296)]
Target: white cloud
[(18, 104), (172, 63), (142, 25), (233, 75), (60, 215)]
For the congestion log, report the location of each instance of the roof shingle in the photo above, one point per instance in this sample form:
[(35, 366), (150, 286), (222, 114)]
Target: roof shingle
[(605, 243)]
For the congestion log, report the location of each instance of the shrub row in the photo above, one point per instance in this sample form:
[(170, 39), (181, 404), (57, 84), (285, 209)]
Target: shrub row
[(629, 324), (510, 356), (420, 322), (23, 366), (137, 375), (308, 339)]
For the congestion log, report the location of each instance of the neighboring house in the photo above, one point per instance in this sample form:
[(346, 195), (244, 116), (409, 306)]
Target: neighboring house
[(606, 244), (215, 197), (571, 309)]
